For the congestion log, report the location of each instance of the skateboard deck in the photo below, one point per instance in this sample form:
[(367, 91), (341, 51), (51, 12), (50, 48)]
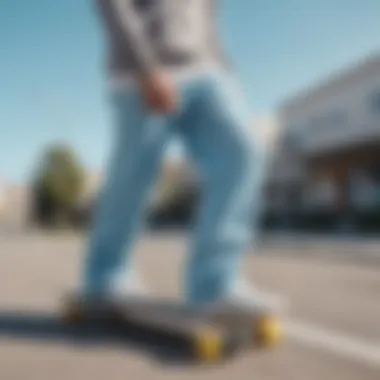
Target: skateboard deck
[(205, 337)]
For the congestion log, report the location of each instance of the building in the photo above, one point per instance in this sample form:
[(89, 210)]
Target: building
[(2, 196), (14, 206), (329, 154)]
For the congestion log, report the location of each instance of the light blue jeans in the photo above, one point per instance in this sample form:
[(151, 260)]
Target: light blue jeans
[(213, 122)]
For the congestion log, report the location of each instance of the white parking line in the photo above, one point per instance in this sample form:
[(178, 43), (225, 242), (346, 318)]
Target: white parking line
[(334, 342)]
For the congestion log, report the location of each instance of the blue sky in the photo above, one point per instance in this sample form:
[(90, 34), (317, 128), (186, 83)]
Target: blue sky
[(52, 83)]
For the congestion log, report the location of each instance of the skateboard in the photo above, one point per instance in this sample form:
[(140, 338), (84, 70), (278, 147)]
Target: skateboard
[(205, 337)]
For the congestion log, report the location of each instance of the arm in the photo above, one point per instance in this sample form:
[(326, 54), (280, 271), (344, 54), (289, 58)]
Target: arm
[(124, 20)]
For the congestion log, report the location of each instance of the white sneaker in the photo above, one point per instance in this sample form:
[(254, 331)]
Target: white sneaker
[(246, 300), (131, 287), (122, 289)]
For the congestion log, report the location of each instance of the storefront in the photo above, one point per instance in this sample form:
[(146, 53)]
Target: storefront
[(335, 130)]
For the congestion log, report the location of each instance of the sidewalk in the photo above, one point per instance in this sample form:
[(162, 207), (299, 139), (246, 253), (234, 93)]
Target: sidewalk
[(335, 239), (361, 249)]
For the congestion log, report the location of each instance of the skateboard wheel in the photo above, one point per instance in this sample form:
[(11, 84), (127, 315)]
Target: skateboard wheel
[(208, 345), (269, 331), (72, 313)]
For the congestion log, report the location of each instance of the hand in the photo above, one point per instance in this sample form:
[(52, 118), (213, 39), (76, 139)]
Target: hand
[(159, 92)]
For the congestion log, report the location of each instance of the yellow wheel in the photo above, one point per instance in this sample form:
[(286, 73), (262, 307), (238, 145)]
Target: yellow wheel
[(72, 313), (269, 331), (208, 345)]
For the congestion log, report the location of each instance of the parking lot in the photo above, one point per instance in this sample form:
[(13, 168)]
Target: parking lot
[(332, 327)]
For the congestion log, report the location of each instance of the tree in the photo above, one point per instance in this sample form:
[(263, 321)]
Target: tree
[(57, 186)]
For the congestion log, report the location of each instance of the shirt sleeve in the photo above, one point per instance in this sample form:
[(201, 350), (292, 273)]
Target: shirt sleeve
[(123, 17)]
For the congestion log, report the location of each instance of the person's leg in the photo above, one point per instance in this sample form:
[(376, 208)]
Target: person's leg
[(219, 136), (138, 146)]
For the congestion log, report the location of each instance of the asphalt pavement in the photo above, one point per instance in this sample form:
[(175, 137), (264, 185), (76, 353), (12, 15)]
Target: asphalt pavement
[(332, 329)]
